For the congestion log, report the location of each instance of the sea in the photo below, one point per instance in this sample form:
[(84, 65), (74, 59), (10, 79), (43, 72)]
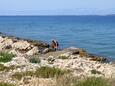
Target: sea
[(95, 34)]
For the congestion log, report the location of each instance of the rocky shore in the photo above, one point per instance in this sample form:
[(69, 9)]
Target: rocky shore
[(30, 55)]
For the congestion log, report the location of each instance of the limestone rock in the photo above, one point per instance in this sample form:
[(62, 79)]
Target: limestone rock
[(77, 51), (1, 39), (21, 45), (17, 61), (33, 51), (15, 52), (6, 43)]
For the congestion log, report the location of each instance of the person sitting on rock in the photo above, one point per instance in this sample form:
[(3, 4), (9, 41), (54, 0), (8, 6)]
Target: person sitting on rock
[(54, 45)]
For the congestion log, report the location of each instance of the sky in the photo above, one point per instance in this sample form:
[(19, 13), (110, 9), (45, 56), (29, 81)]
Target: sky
[(57, 7)]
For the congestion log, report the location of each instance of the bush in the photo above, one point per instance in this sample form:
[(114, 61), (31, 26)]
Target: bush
[(35, 60), (95, 72), (62, 57), (5, 84), (6, 57)]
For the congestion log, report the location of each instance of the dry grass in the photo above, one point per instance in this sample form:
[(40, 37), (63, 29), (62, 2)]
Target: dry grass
[(43, 72), (69, 80), (5, 84)]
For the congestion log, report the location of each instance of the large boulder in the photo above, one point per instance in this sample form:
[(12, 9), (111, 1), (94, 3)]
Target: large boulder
[(6, 43), (15, 52), (33, 51), (1, 39), (77, 51), (17, 61), (21, 45)]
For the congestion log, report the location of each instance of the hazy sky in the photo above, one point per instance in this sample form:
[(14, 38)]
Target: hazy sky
[(56, 7)]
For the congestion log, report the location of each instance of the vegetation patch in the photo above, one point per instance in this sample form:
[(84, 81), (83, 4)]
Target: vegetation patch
[(3, 68), (43, 72), (6, 57), (48, 72), (93, 81), (19, 75), (5, 84), (35, 60), (51, 59), (95, 72), (62, 57), (76, 81)]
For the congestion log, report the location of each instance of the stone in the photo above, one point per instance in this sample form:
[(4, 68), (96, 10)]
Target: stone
[(33, 51), (45, 51), (15, 52), (17, 61), (50, 59), (1, 39), (77, 51), (6, 43), (97, 58), (21, 45)]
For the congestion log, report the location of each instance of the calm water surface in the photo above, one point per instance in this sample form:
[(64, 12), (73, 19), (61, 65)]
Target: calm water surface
[(96, 34)]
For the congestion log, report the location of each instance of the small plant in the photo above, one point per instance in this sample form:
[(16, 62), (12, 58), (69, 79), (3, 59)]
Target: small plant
[(5, 84), (35, 60), (51, 59), (95, 72), (6, 57), (62, 57)]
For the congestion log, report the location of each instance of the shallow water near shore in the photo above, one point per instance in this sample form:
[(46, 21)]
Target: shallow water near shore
[(96, 34)]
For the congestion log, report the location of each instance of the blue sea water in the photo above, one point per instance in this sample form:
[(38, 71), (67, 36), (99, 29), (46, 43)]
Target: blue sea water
[(96, 34)]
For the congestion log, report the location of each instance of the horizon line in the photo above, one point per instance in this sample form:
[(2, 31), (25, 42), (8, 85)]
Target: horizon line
[(64, 15)]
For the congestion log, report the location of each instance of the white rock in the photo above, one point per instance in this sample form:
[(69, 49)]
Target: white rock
[(1, 39), (66, 54), (21, 45), (5, 43), (18, 61), (33, 51), (17, 53)]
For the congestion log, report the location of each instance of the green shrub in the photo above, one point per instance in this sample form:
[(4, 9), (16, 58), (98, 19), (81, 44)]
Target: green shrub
[(62, 57), (5, 84), (6, 57), (35, 60), (95, 72)]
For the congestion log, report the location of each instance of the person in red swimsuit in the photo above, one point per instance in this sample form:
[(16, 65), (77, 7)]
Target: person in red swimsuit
[(54, 45)]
